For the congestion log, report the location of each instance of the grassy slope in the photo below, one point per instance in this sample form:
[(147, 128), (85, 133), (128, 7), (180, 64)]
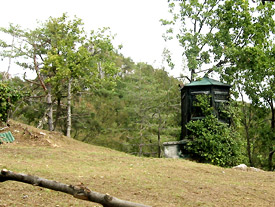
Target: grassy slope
[(152, 181)]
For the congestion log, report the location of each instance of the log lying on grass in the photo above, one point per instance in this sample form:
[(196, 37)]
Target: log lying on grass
[(80, 192)]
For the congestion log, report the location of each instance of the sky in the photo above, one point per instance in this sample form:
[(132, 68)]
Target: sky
[(135, 23)]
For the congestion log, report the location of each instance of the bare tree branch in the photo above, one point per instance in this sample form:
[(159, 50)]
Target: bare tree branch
[(37, 69), (79, 191)]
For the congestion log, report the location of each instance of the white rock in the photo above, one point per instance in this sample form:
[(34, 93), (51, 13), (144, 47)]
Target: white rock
[(255, 169), (241, 167)]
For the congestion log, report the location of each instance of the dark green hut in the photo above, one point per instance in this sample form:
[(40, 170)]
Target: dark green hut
[(218, 91)]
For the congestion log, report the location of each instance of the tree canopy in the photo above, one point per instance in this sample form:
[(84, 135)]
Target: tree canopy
[(64, 58), (212, 31)]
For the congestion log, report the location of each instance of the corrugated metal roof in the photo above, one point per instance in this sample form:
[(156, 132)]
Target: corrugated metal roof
[(6, 137), (206, 82)]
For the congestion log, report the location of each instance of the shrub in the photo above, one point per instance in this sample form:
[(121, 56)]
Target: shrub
[(211, 140), (8, 96)]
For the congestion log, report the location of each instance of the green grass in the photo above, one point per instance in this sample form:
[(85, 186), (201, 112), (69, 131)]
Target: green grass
[(151, 181)]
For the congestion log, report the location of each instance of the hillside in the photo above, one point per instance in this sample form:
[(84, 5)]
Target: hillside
[(152, 181)]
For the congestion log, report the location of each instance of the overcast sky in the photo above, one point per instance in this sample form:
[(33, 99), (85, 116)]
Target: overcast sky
[(136, 23)]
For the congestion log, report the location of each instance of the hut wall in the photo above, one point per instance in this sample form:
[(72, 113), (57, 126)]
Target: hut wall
[(219, 94)]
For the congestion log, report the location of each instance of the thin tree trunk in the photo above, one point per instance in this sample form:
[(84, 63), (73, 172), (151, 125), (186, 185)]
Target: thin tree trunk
[(6, 74), (248, 145), (43, 120), (192, 75), (271, 148), (37, 69), (47, 90), (271, 153), (270, 163), (100, 71), (159, 132), (80, 191), (159, 149), (140, 145), (247, 123), (50, 108), (272, 117), (58, 110), (69, 113)]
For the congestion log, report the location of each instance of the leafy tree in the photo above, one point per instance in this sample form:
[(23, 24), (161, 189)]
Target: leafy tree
[(255, 128), (211, 31), (254, 73), (66, 61)]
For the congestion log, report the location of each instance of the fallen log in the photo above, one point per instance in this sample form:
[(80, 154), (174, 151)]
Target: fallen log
[(78, 191)]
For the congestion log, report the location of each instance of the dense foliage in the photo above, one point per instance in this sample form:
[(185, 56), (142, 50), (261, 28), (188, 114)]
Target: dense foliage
[(136, 116), (8, 97), (212, 140), (211, 32)]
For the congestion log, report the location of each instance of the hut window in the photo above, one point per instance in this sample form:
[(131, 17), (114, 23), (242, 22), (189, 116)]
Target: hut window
[(221, 95), (196, 112), (200, 92), (221, 106)]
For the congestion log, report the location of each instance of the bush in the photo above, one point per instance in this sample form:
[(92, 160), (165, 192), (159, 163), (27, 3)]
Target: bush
[(211, 140), (8, 96)]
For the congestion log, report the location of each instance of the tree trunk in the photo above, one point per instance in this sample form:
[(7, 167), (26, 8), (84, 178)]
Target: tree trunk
[(100, 71), (49, 108), (159, 149), (80, 191), (270, 163), (159, 132), (272, 117), (47, 90), (248, 145), (247, 113), (192, 75), (69, 113), (6, 74), (58, 111)]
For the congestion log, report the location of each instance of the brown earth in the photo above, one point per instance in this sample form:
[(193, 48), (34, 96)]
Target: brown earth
[(152, 181)]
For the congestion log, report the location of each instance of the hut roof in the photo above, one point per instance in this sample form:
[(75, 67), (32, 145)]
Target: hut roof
[(206, 82)]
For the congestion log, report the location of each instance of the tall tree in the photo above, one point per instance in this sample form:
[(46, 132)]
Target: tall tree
[(64, 58), (26, 51), (211, 29), (67, 57), (254, 71)]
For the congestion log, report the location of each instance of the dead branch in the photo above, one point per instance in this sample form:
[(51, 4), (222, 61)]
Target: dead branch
[(37, 70), (79, 191)]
